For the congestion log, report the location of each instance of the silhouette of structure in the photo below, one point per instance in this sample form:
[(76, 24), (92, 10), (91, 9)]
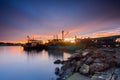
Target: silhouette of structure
[(110, 41)]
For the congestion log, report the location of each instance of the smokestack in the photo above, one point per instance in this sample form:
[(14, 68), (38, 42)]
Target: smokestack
[(57, 37), (75, 37), (62, 35)]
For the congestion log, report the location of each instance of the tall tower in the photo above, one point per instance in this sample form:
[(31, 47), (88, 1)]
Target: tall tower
[(62, 35), (57, 37), (75, 37)]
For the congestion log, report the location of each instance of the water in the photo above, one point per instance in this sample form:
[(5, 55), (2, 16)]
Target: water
[(17, 64)]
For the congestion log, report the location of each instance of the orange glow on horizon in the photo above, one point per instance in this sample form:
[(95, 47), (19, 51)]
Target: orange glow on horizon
[(70, 34), (72, 40)]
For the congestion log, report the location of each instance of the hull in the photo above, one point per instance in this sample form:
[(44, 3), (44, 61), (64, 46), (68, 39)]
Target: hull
[(38, 47)]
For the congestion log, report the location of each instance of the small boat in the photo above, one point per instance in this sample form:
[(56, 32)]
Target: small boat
[(34, 45)]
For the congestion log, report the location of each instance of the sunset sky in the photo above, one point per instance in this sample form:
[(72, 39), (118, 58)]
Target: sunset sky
[(44, 18)]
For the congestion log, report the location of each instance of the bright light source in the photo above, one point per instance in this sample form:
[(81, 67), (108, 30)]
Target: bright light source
[(118, 40), (72, 40)]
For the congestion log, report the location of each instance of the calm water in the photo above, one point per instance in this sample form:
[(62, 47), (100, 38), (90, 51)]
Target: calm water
[(17, 64)]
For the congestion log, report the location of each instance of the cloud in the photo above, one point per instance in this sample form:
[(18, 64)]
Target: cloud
[(43, 19), (105, 33)]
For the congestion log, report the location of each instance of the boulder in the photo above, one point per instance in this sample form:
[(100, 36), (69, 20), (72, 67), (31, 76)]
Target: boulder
[(57, 70), (64, 62), (98, 55), (117, 62), (59, 78), (85, 53), (84, 69), (98, 60), (57, 62), (112, 74), (79, 51), (78, 65), (98, 67), (66, 66), (89, 61)]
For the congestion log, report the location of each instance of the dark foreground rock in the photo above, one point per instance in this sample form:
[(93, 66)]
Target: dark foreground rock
[(112, 74), (57, 62), (92, 64), (57, 70)]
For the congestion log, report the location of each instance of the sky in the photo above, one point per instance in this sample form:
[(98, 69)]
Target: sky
[(42, 19)]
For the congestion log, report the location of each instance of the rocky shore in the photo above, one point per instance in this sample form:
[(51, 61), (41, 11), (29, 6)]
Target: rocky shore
[(91, 64)]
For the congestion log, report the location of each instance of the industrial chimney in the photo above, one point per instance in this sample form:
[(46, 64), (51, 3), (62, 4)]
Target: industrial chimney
[(62, 35)]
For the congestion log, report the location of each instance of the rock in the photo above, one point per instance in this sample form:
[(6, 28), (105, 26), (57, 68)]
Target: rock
[(69, 71), (89, 60), (79, 51), (75, 56), (117, 73), (63, 62), (66, 73), (57, 62), (90, 63), (112, 74), (84, 53), (98, 60), (78, 65), (77, 76), (117, 62), (59, 78), (66, 66), (98, 67), (110, 50), (84, 69), (57, 70), (98, 55)]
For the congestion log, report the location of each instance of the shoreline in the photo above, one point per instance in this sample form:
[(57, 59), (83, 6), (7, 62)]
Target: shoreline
[(91, 64)]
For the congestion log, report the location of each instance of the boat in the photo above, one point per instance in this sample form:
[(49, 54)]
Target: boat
[(34, 45)]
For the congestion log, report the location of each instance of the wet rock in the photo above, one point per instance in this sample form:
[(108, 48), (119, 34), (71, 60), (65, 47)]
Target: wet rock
[(113, 74), (79, 51), (84, 69), (110, 50), (75, 56), (98, 55), (117, 73), (65, 74), (84, 53), (117, 62), (59, 78), (90, 63), (89, 60), (57, 70), (64, 62), (98, 67), (57, 62), (78, 65), (66, 66), (98, 60)]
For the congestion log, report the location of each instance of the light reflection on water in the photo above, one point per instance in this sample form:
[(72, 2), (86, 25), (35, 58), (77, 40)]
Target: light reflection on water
[(17, 64)]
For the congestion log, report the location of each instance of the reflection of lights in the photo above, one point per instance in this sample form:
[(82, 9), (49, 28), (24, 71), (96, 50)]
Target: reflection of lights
[(66, 55), (72, 40), (44, 54), (16, 49)]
